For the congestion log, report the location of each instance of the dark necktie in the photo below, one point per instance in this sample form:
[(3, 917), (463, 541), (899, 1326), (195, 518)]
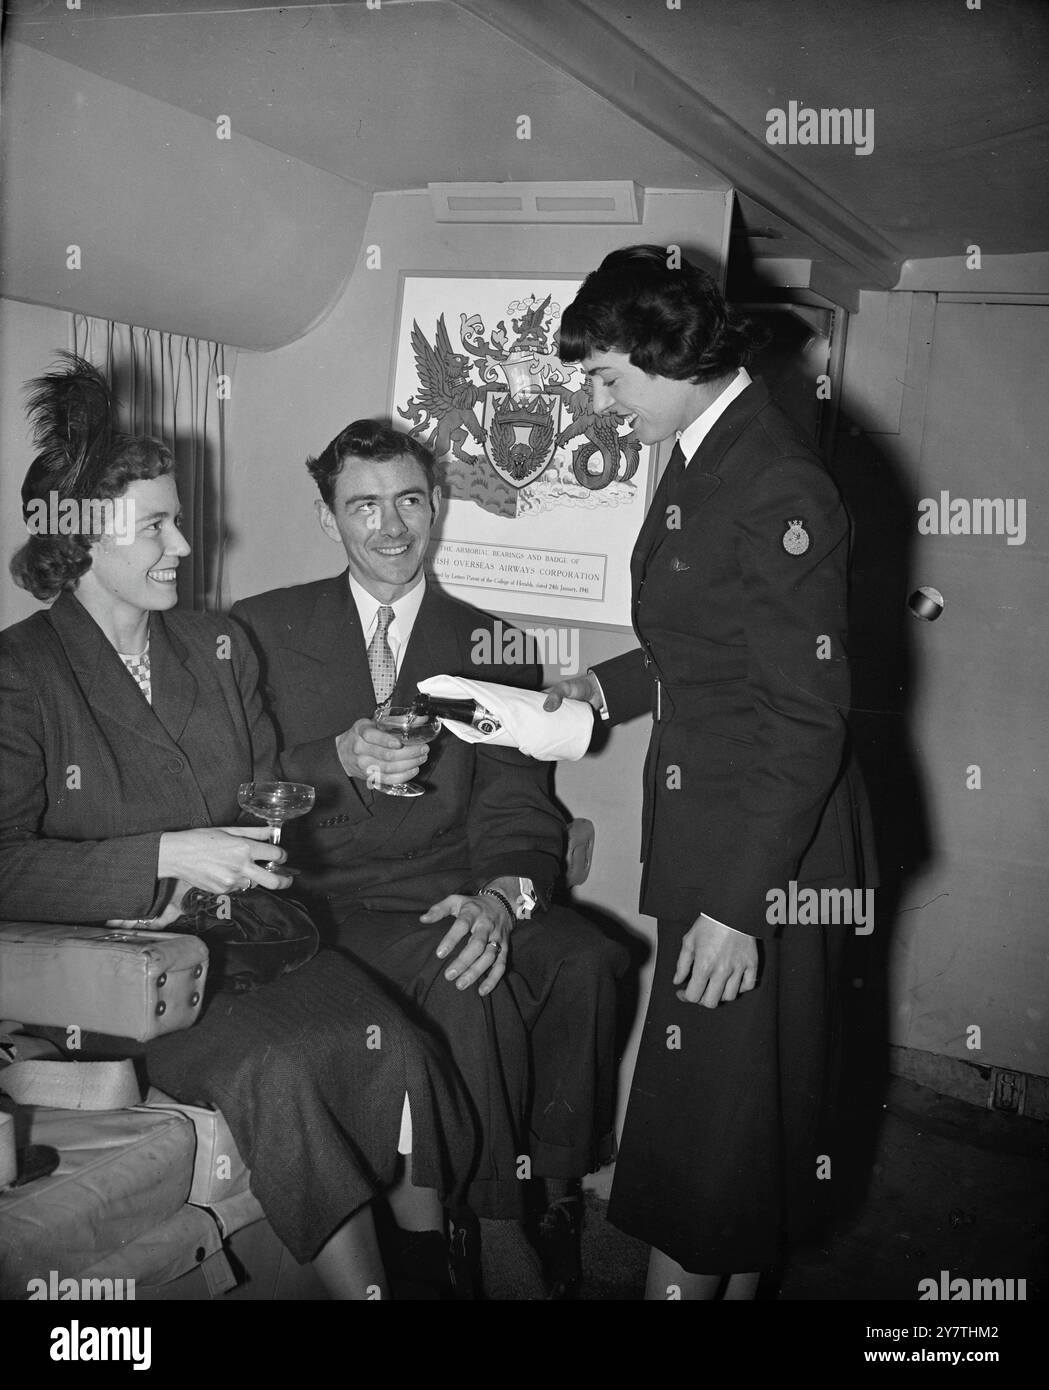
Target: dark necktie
[(380, 658), (675, 473)]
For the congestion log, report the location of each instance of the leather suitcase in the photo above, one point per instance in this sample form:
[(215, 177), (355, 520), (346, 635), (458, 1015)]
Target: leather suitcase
[(132, 984)]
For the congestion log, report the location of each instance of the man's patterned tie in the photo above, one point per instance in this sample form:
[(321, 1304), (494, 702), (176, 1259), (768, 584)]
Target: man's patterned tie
[(380, 658)]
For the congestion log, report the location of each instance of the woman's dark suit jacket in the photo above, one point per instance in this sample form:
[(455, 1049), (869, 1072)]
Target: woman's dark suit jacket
[(91, 774)]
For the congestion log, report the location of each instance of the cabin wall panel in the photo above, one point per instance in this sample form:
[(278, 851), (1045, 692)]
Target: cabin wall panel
[(967, 945)]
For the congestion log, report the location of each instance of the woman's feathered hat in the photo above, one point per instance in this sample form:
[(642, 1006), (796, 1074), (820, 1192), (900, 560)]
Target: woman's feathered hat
[(73, 414)]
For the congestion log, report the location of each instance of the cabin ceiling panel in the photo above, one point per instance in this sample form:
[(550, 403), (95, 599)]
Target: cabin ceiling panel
[(960, 102), (424, 91), (390, 99)]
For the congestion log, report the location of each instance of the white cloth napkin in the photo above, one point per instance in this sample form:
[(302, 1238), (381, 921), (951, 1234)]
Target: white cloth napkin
[(561, 734)]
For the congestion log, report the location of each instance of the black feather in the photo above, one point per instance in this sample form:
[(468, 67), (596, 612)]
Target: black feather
[(72, 412)]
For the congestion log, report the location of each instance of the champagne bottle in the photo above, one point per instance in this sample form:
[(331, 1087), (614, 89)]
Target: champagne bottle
[(465, 711)]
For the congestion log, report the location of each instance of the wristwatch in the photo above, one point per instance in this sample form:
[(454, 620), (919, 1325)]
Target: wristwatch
[(526, 900)]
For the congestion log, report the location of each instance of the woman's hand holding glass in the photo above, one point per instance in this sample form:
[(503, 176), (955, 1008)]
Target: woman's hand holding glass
[(222, 859)]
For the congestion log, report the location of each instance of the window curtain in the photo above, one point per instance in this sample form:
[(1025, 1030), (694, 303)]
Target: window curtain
[(175, 389)]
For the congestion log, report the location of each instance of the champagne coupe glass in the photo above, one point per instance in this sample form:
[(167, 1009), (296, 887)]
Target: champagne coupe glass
[(409, 726), (275, 802)]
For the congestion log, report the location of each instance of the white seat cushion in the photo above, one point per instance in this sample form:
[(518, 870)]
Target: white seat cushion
[(122, 1173)]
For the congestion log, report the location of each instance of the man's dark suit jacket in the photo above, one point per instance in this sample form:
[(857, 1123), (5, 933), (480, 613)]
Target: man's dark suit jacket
[(748, 781), (486, 812)]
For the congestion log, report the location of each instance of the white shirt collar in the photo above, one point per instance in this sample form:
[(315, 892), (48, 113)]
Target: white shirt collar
[(693, 435), (405, 612)]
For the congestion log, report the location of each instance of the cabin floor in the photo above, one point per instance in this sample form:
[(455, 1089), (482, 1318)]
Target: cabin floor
[(941, 1185)]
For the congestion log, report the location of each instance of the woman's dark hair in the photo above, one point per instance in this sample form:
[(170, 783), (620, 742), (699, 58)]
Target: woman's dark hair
[(666, 314), (368, 439), (82, 459)]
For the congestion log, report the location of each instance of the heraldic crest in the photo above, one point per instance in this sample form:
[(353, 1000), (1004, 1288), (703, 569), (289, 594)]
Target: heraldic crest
[(512, 427)]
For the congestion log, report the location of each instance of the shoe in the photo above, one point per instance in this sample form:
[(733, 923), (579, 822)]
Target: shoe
[(559, 1240)]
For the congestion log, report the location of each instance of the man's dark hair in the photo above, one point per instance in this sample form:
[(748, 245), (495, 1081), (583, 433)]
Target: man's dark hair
[(368, 439), (671, 322)]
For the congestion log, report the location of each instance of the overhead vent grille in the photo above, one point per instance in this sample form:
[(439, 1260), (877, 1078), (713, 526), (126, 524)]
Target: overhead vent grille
[(619, 201)]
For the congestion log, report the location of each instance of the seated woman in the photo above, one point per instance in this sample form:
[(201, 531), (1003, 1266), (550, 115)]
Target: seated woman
[(125, 729)]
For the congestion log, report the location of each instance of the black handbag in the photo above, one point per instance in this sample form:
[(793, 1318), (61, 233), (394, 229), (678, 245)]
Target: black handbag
[(252, 937)]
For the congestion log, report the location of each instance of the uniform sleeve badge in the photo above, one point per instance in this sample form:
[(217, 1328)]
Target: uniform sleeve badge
[(796, 539)]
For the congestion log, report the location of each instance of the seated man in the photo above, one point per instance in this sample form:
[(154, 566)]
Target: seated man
[(524, 993)]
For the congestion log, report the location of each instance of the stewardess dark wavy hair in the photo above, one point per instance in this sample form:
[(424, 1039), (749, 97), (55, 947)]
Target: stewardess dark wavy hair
[(671, 319)]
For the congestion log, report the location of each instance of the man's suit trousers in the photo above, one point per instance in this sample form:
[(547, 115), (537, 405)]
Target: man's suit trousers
[(537, 1055)]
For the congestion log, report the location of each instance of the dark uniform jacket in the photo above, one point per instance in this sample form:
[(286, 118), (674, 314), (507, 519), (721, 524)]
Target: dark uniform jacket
[(739, 603)]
